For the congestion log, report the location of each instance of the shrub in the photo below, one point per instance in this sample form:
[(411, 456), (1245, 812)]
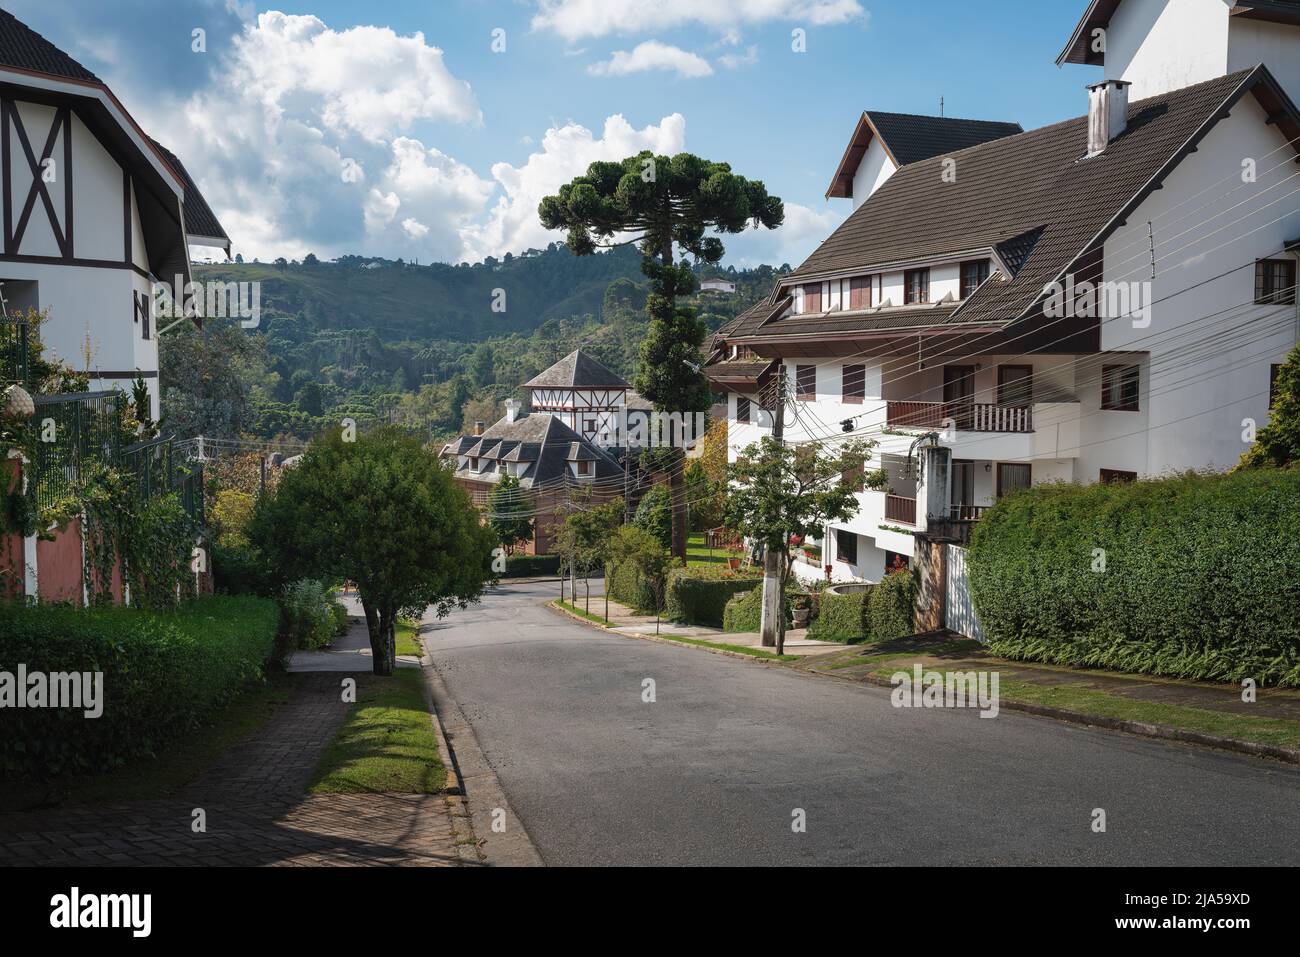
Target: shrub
[(164, 674), (1196, 576), (842, 618), (891, 607), (241, 571), (531, 566), (655, 514), (699, 595), (744, 612), (626, 585), (308, 618)]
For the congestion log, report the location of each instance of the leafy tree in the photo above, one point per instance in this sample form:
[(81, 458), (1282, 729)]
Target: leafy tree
[(639, 548), (655, 514), (777, 490), (382, 512), (310, 399), (583, 538), (508, 511), (1278, 443), (659, 202), (211, 377), (481, 365)]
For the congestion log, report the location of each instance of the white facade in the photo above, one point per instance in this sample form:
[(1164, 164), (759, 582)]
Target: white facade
[(876, 167)]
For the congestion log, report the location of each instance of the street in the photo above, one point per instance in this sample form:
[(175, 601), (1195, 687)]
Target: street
[(717, 767)]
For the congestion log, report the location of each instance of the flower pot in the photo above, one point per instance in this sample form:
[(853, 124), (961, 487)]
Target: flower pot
[(800, 616), (733, 563)]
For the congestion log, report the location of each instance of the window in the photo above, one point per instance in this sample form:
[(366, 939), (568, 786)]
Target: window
[(473, 464), (1015, 386), (1273, 370), (1275, 281), (1119, 388), (916, 286), (1013, 476), (855, 384), (1117, 476), (805, 383), (812, 298), (846, 546), (584, 468), (860, 293), (742, 409), (973, 275)]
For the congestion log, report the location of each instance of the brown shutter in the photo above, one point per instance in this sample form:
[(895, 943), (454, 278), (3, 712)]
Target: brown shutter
[(860, 293), (812, 298)]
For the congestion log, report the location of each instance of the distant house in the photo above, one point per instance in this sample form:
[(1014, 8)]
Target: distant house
[(94, 212), (717, 284), (883, 142)]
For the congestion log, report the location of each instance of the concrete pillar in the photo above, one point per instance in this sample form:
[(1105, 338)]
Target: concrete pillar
[(931, 564), (934, 495)]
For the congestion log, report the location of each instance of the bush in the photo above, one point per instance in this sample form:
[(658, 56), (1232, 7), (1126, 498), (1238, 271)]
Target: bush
[(842, 618), (744, 612), (891, 607), (1197, 576), (309, 617), (164, 673), (626, 585), (241, 571), (699, 595), (655, 514), (531, 566)]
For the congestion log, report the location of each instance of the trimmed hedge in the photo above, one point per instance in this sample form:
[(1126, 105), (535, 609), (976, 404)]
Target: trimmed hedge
[(891, 610), (626, 586), (163, 675), (699, 595), (744, 612), (531, 566), (841, 618), (1201, 576)]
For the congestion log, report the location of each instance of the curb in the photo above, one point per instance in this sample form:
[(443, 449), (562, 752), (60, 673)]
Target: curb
[(477, 792), (1141, 729), (611, 630)]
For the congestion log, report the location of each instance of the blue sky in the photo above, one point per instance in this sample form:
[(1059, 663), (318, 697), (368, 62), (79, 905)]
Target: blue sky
[(450, 144)]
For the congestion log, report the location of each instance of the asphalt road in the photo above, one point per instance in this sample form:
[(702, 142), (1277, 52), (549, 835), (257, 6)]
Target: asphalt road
[(714, 769)]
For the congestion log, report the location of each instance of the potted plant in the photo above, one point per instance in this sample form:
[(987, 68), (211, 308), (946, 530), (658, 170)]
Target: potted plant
[(799, 611)]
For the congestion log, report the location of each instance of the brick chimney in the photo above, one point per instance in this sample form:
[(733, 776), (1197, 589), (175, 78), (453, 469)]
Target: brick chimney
[(1107, 114), (478, 428)]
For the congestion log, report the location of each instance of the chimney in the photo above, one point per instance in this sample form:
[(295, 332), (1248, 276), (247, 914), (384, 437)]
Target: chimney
[(1107, 114), (512, 409), (478, 428)]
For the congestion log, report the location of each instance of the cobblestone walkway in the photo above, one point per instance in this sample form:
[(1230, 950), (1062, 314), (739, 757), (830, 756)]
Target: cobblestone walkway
[(257, 811)]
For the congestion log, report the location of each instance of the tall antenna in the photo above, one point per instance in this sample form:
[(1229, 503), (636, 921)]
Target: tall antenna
[(941, 106)]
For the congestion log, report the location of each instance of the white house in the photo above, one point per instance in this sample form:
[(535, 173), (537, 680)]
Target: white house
[(717, 284), (1171, 226), (94, 212)]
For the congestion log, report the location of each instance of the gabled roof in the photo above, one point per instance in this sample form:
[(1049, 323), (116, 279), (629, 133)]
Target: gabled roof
[(24, 48), (577, 370), (201, 225), (909, 138), (1033, 198), (538, 438), (1079, 48)]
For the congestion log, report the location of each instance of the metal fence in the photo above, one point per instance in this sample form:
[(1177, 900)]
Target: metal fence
[(15, 350)]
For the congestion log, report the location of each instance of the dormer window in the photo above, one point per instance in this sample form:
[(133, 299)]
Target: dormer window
[(973, 275), (584, 469), (916, 286)]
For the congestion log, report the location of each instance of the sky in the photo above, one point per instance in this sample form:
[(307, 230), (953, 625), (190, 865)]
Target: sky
[(430, 130)]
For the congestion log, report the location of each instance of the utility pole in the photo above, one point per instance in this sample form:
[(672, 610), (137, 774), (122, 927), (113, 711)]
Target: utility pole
[(773, 618)]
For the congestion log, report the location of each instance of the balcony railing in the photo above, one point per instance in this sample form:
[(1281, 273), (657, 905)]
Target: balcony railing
[(967, 513), (900, 509), (967, 416), (15, 349)]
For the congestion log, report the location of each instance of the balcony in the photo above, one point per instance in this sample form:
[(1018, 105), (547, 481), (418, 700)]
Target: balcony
[(967, 416), (967, 513), (900, 509)]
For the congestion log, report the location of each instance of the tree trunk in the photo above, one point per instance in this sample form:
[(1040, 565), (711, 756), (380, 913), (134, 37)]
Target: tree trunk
[(784, 559), (383, 645)]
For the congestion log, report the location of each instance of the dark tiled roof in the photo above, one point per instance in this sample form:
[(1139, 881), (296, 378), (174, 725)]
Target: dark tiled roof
[(533, 437), (577, 370), (858, 320), (199, 218), (1033, 195), (24, 48), (911, 138)]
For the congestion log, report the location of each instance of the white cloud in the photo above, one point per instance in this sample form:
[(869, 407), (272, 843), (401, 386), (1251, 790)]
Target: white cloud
[(803, 230), (734, 61), (652, 55), (579, 19), (414, 228), (566, 152)]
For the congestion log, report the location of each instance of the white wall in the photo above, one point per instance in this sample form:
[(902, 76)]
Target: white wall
[(1159, 45), (1276, 45), (875, 168)]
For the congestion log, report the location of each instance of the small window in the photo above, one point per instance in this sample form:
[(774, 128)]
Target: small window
[(742, 409), (473, 464), (1015, 386), (1275, 282), (584, 468), (846, 546), (1119, 388), (805, 383), (973, 275), (1013, 476), (916, 286), (855, 384), (1117, 476)]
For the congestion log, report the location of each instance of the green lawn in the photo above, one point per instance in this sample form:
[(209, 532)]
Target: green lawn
[(407, 643), (386, 743), (697, 553), (739, 649), (578, 610), (185, 758)]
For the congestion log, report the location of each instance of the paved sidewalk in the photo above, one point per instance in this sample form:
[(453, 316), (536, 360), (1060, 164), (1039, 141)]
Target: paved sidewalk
[(349, 653), (257, 811)]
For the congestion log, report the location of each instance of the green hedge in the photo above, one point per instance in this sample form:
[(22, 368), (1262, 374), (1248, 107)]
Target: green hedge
[(841, 618), (163, 675), (744, 612), (1201, 576), (626, 586), (699, 595), (891, 609), (531, 566)]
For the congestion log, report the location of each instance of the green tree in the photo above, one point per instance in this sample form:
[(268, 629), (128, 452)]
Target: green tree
[(583, 538), (1278, 443), (481, 365), (776, 491), (310, 399), (655, 514), (661, 202), (508, 513), (637, 547), (382, 512), (212, 378)]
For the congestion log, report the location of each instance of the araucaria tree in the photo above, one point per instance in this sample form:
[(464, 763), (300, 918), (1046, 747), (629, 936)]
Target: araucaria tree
[(509, 513), (661, 202), (384, 513), (777, 491)]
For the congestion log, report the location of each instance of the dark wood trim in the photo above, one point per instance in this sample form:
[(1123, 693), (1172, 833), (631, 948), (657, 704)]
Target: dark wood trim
[(38, 187), (5, 106), (67, 181), (74, 261), (1002, 370), (143, 374), (1116, 402), (127, 241)]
